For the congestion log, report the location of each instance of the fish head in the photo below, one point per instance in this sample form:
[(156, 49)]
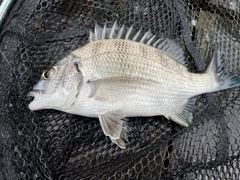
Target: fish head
[(57, 88)]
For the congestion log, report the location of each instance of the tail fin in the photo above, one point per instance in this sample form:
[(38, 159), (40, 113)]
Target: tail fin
[(215, 68)]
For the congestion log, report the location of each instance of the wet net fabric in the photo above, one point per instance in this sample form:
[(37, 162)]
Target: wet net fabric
[(49, 144)]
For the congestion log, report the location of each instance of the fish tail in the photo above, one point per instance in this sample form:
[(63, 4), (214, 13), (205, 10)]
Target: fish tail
[(215, 68)]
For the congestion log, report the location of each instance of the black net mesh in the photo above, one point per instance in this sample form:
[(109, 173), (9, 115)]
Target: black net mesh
[(49, 144)]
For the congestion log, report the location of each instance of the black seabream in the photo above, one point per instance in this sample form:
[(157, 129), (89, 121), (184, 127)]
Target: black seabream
[(123, 73)]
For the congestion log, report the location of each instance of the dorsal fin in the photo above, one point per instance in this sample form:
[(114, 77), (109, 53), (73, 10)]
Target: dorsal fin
[(122, 32), (151, 40), (146, 37), (138, 36), (104, 32), (173, 50), (97, 32), (113, 34), (91, 36), (130, 33), (168, 46)]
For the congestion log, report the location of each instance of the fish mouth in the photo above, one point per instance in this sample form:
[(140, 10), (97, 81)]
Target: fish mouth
[(32, 94)]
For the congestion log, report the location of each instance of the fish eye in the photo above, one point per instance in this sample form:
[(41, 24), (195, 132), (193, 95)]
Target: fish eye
[(48, 73)]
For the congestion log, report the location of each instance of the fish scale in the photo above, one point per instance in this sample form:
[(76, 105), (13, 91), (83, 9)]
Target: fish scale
[(137, 75), (104, 60), (110, 63)]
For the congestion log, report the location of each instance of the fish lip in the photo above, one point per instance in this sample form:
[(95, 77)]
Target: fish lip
[(34, 93), (33, 97)]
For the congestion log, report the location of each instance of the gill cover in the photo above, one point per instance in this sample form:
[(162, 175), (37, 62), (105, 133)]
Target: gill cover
[(57, 88)]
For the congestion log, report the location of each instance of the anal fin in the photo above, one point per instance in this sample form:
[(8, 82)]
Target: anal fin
[(184, 118), (113, 126)]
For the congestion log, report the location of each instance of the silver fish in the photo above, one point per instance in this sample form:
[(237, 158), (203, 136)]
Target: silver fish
[(122, 73)]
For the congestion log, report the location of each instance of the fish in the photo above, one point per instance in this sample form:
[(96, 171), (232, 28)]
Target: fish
[(124, 73)]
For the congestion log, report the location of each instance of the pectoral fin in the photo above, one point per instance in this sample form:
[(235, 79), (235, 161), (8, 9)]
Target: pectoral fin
[(114, 127), (115, 88), (112, 89)]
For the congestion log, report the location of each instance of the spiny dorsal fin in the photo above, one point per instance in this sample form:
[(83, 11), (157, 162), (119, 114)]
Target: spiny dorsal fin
[(130, 33), (168, 46), (146, 37), (122, 32), (104, 32), (91, 36), (97, 32), (151, 40), (173, 50), (113, 34), (138, 35)]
